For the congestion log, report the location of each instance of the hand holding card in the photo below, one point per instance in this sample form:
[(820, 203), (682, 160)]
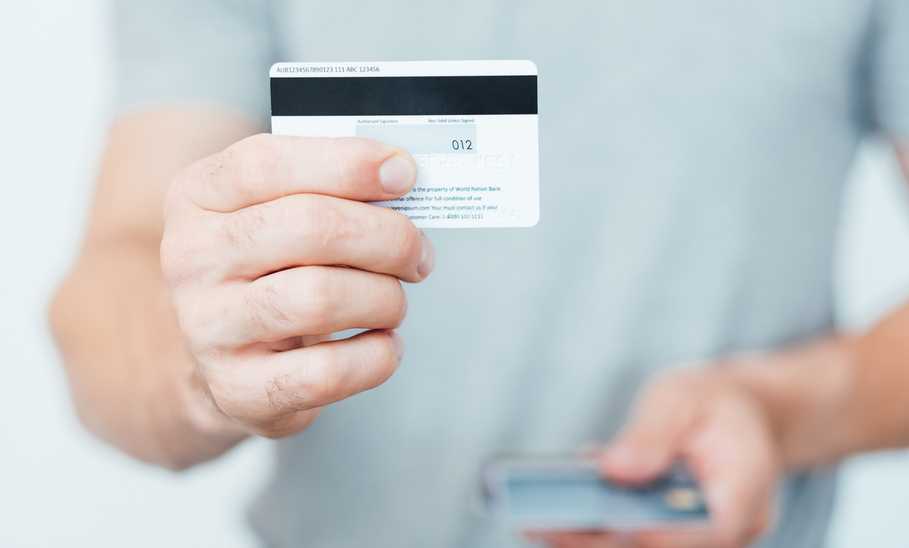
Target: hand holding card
[(253, 239)]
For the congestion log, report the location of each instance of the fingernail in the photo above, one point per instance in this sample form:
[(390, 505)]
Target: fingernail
[(398, 342), (397, 174), (427, 258)]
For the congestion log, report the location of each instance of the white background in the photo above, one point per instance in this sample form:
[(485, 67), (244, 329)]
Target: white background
[(58, 487)]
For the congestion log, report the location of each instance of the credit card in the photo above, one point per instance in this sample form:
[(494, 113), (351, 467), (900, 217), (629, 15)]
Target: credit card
[(568, 494), (471, 126)]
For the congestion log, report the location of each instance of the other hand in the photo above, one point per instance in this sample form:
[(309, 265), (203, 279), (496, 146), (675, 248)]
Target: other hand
[(721, 432)]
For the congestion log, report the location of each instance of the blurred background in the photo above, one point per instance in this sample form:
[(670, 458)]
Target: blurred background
[(59, 487)]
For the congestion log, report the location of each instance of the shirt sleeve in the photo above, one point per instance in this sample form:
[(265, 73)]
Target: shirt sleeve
[(192, 52), (890, 68)]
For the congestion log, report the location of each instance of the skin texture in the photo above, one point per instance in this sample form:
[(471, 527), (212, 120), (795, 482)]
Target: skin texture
[(216, 262)]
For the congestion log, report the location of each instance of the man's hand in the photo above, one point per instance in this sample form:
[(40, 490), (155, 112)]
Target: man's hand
[(722, 432), (268, 249)]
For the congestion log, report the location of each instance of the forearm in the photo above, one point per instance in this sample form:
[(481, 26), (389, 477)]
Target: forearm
[(131, 377), (836, 397), (842, 395), (130, 373)]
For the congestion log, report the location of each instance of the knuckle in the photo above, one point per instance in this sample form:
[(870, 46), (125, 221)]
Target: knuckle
[(254, 143), (321, 302), (324, 381), (266, 308), (353, 161), (282, 394), (250, 157), (324, 224), (387, 361), (247, 162), (240, 229), (181, 255), (226, 397), (266, 158), (204, 319), (185, 186), (192, 320), (190, 246)]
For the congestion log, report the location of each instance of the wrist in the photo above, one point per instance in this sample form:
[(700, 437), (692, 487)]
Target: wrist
[(805, 393)]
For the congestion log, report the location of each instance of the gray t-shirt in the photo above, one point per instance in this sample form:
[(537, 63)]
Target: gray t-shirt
[(693, 160)]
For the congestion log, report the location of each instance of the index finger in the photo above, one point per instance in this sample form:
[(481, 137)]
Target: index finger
[(265, 167)]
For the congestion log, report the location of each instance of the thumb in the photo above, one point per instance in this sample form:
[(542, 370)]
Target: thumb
[(653, 438)]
